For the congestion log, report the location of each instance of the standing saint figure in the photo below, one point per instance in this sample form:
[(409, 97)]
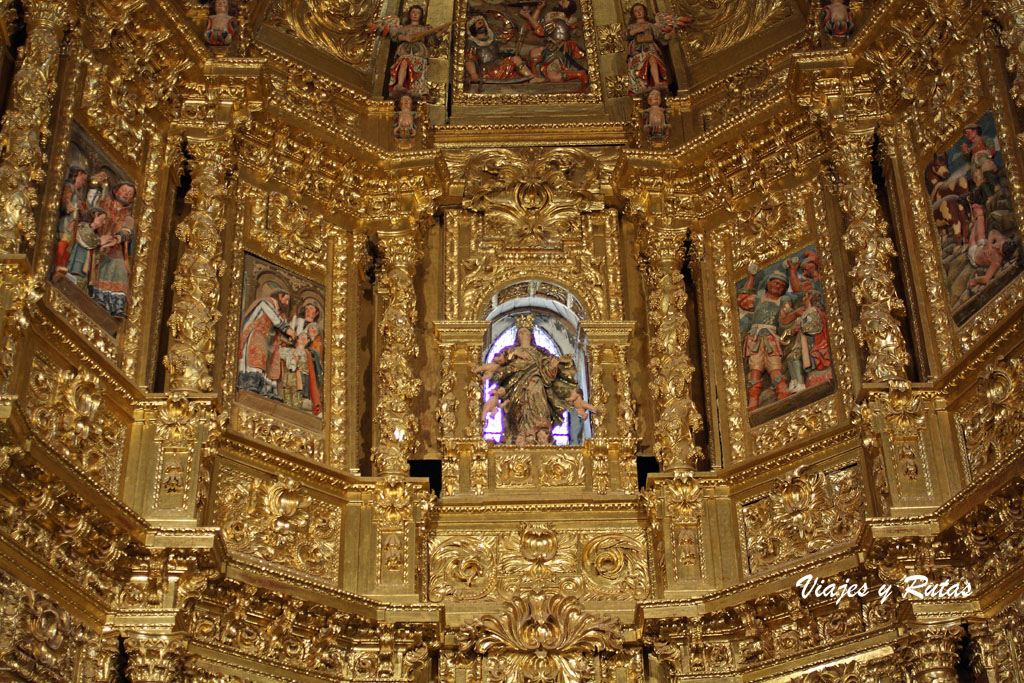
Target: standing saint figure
[(108, 282), (414, 39), (537, 387), (72, 208), (646, 67), (265, 330)]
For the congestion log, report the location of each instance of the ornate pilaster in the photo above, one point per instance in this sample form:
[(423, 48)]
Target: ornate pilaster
[(929, 653), (197, 279), (1010, 15), (866, 238), (154, 658), (397, 386), (26, 122), (661, 260)]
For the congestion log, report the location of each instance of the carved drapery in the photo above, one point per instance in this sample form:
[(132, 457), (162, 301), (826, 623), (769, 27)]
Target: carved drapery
[(929, 653), (866, 238), (197, 279), (661, 259), (26, 122), (398, 387)]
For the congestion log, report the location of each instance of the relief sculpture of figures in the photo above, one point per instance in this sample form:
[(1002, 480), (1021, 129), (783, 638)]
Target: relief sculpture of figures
[(280, 354), (534, 388), (538, 48), (785, 341), (95, 231), (972, 209), (413, 39), (647, 67)]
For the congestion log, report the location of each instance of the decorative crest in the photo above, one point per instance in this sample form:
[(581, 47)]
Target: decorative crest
[(524, 321)]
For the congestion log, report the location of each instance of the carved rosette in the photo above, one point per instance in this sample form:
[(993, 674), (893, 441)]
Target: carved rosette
[(26, 121), (661, 257), (929, 653), (398, 387), (872, 278), (193, 320)]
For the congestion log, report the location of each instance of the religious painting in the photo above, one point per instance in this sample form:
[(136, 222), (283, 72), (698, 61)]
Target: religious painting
[(972, 207), (787, 357), (92, 262), (281, 337), (513, 46)]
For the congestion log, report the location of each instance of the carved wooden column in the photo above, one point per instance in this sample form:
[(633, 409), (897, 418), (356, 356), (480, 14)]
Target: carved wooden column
[(154, 658), (1010, 14), (929, 653), (24, 127), (661, 262), (196, 284), (396, 386), (608, 343), (867, 239)]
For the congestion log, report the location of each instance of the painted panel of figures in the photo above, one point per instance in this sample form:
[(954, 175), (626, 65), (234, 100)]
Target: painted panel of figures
[(971, 204), (281, 346), (525, 47), (787, 357), (94, 232)]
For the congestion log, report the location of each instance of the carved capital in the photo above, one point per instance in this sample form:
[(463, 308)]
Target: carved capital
[(929, 653), (154, 658), (867, 239), (197, 279)]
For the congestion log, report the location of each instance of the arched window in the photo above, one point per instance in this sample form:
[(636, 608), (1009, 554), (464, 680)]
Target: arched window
[(557, 330)]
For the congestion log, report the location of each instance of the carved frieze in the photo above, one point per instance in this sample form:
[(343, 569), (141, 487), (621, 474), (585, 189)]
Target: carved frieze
[(802, 514), (279, 522)]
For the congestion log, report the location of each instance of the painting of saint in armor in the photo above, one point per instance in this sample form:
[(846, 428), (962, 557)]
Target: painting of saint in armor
[(280, 352), (525, 47), (94, 235), (971, 204), (784, 335)]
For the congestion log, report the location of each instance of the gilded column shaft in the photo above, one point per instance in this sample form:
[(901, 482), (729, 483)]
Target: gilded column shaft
[(1010, 14), (197, 279), (671, 368), (25, 124), (873, 281), (397, 387)]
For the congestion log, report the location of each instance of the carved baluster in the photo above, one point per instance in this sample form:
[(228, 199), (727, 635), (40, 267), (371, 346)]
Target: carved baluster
[(929, 653), (867, 239), (398, 388), (193, 321), (662, 255), (154, 658), (598, 392), (24, 127), (448, 404), (627, 406)]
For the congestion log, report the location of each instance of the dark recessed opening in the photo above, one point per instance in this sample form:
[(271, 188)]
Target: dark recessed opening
[(645, 464), (428, 469)]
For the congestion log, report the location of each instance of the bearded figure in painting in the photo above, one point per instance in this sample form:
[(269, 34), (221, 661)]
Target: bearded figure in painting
[(536, 387)]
